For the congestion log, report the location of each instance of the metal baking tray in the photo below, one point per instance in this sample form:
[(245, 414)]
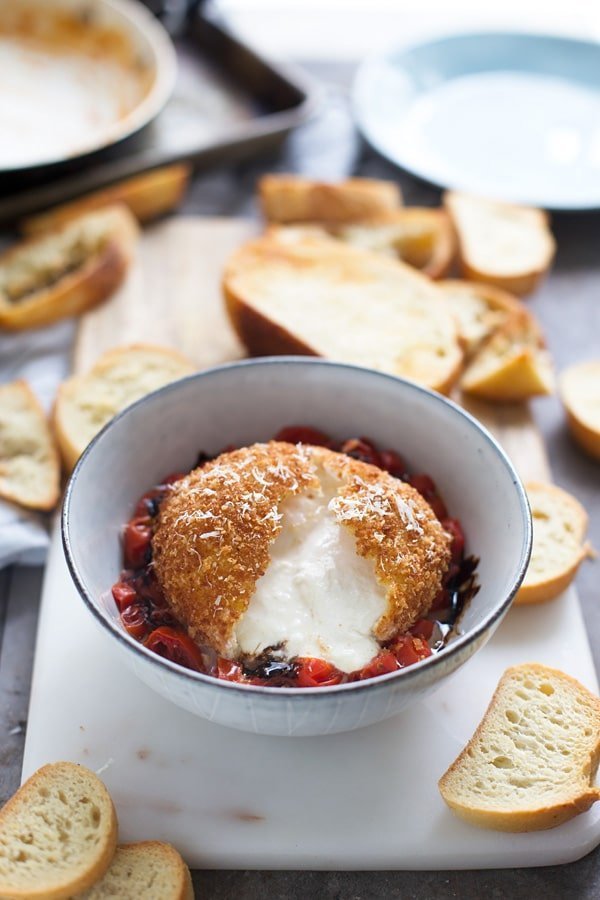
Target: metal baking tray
[(228, 103)]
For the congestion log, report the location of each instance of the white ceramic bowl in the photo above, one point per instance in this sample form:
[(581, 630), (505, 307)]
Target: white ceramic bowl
[(250, 401)]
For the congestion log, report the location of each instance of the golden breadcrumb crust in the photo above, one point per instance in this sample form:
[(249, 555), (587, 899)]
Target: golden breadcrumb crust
[(215, 531)]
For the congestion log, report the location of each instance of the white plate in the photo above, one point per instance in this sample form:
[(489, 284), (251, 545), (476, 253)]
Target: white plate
[(510, 116)]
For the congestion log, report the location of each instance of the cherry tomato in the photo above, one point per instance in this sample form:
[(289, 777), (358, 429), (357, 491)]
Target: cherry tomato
[(423, 484), (135, 621), (441, 600), (423, 629), (362, 449), (302, 434), (137, 543), (393, 463), (176, 646), (426, 487), (314, 672), (384, 662), (229, 670), (454, 528), (124, 594), (149, 503), (409, 650)]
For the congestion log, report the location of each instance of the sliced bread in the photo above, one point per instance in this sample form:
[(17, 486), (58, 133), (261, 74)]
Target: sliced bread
[(508, 246), (479, 310), (85, 403), (579, 387), (57, 834), (292, 198), (147, 196), (559, 527), (149, 870), (289, 292), (512, 365), (421, 237), (67, 271), (29, 461), (532, 761)]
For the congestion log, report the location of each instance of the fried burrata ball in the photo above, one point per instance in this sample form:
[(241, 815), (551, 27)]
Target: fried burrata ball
[(300, 551)]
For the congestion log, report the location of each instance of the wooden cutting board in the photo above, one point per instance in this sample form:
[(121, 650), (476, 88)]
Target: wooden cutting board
[(173, 296), (363, 800)]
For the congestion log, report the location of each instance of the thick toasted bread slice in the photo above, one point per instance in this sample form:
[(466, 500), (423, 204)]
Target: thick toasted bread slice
[(559, 527), (147, 196), (508, 246), (479, 310), (85, 403), (291, 198), (579, 387), (423, 238), (68, 271), (149, 870), (29, 462), (293, 292), (532, 761), (512, 365), (57, 834)]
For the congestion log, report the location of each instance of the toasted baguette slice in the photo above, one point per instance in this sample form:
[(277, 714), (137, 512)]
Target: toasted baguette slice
[(421, 237), (68, 271), (579, 387), (479, 310), (57, 834), (512, 365), (85, 403), (289, 292), (291, 198), (508, 246), (559, 527), (149, 870), (532, 761), (29, 461), (147, 196)]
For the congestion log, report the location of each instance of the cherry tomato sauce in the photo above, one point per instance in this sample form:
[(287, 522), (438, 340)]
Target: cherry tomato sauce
[(145, 613)]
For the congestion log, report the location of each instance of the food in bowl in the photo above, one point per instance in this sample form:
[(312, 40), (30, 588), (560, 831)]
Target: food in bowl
[(296, 563)]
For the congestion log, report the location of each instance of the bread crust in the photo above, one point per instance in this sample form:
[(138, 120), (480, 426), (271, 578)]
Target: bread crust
[(584, 431), (292, 198), (216, 528), (547, 588), (147, 196), (496, 299), (522, 373), (170, 856), (83, 880), (69, 444), (76, 291), (433, 257), (544, 816), (519, 283), (311, 251), (49, 499)]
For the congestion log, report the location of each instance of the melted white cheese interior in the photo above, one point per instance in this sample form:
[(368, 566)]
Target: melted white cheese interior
[(318, 597)]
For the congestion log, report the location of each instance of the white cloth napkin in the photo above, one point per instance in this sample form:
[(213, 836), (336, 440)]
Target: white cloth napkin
[(41, 358)]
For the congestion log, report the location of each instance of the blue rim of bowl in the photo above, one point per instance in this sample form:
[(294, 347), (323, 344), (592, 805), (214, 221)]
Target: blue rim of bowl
[(410, 672), (445, 38)]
